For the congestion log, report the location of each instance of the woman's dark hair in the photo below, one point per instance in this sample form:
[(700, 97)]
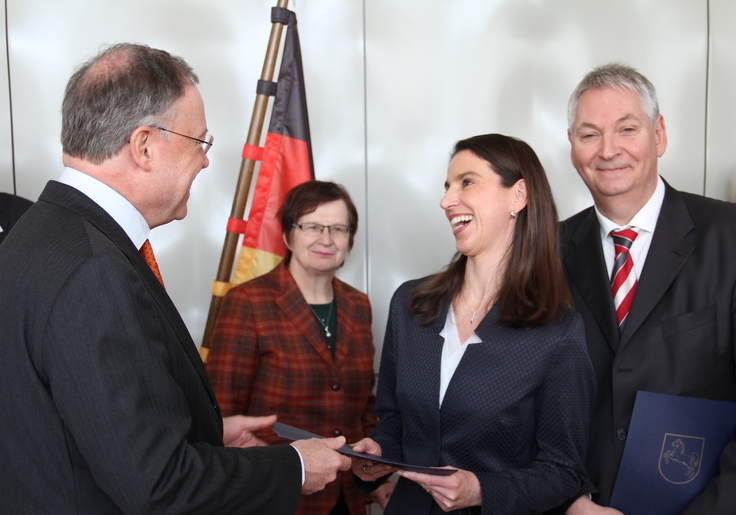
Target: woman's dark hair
[(533, 289), (306, 198)]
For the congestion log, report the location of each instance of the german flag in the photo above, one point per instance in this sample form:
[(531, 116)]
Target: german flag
[(286, 161)]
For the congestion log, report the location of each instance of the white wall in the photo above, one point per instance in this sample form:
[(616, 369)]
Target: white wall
[(391, 85), (6, 156)]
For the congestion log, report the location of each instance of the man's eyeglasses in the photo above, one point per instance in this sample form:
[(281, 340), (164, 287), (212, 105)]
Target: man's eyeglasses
[(206, 145), (314, 229)]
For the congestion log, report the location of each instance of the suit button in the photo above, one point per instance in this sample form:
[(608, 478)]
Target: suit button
[(337, 432), (336, 386), (621, 434)]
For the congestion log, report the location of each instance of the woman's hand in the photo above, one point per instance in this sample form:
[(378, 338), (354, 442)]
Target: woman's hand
[(237, 430), (584, 506), (458, 490), (366, 469), (381, 494)]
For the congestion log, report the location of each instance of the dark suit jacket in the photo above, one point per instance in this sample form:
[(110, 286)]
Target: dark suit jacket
[(106, 404), (268, 355), (679, 335), (12, 208), (515, 412)]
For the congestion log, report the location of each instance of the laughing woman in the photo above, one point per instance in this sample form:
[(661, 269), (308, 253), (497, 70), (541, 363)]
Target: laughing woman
[(484, 366)]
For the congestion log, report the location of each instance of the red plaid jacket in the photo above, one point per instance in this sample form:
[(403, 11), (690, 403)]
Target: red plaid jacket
[(268, 355)]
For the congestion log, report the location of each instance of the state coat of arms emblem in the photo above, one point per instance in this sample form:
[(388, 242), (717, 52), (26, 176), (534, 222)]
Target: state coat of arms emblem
[(680, 458)]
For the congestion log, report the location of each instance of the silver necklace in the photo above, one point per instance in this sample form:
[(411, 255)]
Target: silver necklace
[(322, 320), (472, 317)]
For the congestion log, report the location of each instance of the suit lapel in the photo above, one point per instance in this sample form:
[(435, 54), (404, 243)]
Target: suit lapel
[(345, 319), (586, 268), (293, 304), (433, 366), (79, 203), (667, 254), (464, 374), (172, 315)]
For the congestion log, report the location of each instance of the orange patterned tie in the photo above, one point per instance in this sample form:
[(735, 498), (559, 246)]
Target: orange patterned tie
[(147, 253)]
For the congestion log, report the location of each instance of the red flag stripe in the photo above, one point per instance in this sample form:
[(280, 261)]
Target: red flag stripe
[(252, 152), (236, 226), (285, 161)]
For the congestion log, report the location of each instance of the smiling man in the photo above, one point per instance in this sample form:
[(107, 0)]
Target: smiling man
[(652, 271), (107, 406)]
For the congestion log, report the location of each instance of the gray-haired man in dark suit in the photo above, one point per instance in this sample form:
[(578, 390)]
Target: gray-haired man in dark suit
[(670, 326), (106, 405)]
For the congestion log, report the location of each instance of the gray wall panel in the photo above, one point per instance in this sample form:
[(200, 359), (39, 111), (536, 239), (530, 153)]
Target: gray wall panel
[(721, 137), (391, 86), (6, 158), (464, 68), (225, 42)]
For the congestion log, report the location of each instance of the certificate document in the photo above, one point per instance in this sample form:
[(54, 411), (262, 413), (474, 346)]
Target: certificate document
[(671, 452), (293, 433)]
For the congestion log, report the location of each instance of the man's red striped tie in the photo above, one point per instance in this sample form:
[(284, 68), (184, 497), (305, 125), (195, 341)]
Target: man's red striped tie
[(623, 278)]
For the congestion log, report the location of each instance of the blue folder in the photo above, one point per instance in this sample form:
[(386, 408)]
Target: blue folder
[(671, 452)]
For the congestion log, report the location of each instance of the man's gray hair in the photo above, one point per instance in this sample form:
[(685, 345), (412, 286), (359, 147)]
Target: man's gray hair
[(620, 77), (125, 86)]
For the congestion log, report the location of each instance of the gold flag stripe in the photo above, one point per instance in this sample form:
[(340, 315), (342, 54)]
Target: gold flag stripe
[(252, 263), (219, 288)]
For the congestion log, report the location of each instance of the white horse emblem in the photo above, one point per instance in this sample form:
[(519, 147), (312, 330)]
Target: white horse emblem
[(679, 461)]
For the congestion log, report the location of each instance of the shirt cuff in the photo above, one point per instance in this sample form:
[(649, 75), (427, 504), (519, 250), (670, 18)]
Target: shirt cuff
[(301, 460)]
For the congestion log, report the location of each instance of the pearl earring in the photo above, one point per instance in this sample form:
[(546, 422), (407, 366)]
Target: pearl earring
[(513, 214)]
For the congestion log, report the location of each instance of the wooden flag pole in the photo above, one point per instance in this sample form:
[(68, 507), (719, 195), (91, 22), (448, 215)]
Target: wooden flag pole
[(247, 166)]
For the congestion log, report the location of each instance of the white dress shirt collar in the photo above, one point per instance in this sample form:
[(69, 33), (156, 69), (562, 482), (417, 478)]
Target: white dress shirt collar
[(645, 218), (645, 221), (117, 206)]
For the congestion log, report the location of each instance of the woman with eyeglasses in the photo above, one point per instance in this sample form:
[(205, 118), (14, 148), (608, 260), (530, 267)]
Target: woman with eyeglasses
[(297, 341)]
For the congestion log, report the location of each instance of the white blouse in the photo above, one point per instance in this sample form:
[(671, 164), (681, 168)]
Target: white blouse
[(452, 351)]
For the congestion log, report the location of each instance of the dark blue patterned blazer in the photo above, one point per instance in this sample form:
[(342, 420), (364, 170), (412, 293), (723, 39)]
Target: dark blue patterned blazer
[(515, 413)]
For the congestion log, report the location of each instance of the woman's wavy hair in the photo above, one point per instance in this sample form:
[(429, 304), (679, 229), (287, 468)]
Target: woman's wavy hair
[(533, 289)]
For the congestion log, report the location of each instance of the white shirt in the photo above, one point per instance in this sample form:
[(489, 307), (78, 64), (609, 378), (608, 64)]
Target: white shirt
[(645, 221), (452, 351), (117, 206)]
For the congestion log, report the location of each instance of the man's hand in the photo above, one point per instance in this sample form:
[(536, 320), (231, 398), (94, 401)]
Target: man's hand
[(584, 506), (237, 431), (321, 462)]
